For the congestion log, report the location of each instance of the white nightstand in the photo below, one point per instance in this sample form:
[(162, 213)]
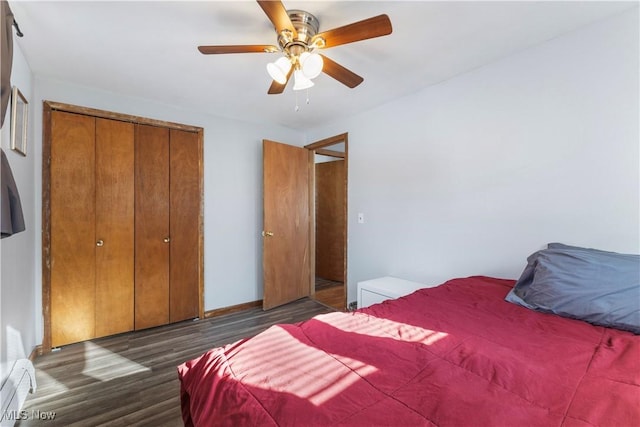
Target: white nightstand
[(377, 290)]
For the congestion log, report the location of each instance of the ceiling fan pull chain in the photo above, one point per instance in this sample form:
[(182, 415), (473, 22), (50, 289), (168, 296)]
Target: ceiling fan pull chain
[(297, 106), (307, 96)]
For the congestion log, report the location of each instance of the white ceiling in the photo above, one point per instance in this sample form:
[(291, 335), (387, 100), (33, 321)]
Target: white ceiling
[(147, 49)]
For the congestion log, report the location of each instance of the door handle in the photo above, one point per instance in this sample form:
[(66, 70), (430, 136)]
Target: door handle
[(100, 242), (166, 240), (267, 234)]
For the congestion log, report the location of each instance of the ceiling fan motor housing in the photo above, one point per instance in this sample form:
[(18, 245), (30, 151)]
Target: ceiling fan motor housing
[(306, 26)]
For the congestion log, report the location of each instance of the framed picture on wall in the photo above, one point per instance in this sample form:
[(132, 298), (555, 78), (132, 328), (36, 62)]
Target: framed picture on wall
[(19, 115)]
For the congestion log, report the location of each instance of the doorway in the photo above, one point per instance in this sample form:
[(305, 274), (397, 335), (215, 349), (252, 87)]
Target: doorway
[(329, 220)]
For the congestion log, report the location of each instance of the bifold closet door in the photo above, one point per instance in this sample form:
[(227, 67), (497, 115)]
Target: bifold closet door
[(73, 244), (168, 205), (91, 227), (152, 239)]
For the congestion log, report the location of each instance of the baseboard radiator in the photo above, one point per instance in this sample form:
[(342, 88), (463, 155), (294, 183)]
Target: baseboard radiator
[(20, 382)]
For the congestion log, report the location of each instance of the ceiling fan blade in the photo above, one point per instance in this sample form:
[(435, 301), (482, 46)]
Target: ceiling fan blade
[(252, 48), (277, 88), (341, 74), (367, 29), (278, 15)]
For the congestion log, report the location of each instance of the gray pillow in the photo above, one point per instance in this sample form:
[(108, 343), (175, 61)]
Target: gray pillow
[(596, 286)]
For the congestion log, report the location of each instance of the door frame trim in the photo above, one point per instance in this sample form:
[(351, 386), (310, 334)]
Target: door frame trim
[(47, 109), (318, 147)]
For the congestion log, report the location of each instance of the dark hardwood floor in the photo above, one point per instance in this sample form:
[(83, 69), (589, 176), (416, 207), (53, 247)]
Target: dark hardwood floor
[(131, 379)]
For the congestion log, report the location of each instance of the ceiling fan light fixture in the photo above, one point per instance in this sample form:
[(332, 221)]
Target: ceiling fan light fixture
[(301, 81), (279, 69), (298, 37), (311, 64)]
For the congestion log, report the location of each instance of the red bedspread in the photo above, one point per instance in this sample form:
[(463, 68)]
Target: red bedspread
[(455, 355)]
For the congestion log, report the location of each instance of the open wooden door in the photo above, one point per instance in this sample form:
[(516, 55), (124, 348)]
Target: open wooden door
[(285, 246)]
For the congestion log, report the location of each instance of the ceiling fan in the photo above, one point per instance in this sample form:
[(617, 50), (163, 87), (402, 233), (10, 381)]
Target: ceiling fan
[(298, 38)]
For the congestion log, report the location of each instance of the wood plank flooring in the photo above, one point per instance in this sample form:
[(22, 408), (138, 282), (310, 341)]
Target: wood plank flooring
[(131, 379), (331, 293)]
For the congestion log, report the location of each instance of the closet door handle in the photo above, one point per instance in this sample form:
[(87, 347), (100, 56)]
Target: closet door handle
[(166, 240), (100, 243)]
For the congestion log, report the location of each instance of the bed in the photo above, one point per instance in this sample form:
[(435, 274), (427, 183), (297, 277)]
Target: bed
[(454, 355)]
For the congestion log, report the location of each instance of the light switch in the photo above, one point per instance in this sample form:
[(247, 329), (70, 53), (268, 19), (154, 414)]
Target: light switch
[(360, 218)]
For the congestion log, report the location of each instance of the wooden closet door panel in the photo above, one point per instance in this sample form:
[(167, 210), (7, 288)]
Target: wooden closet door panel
[(186, 209), (114, 226), (330, 220), (73, 242), (152, 226)]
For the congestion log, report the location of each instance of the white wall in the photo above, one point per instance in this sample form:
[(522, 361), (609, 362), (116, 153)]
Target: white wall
[(472, 175), (232, 186), (17, 252)]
